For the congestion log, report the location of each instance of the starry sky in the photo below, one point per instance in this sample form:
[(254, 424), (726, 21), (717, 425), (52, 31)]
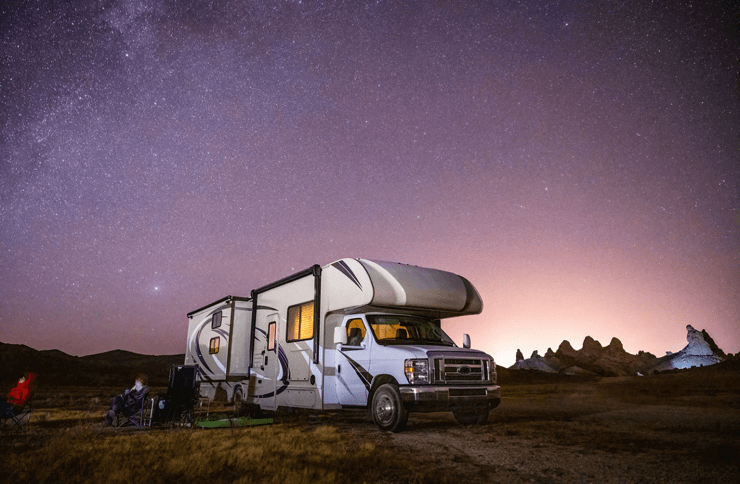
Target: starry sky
[(577, 161)]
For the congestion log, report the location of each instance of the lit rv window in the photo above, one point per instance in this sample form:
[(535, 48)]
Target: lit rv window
[(216, 320), (213, 347), (356, 338), (399, 330), (271, 337), (300, 322)]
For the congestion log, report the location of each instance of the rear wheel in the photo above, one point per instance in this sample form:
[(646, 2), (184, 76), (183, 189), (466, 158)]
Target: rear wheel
[(471, 417), (239, 405), (388, 412)]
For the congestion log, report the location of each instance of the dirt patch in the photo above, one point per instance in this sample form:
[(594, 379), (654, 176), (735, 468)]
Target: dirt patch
[(578, 433)]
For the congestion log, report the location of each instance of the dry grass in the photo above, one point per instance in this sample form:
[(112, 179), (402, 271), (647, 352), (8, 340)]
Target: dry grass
[(70, 444), (679, 427), (279, 454)]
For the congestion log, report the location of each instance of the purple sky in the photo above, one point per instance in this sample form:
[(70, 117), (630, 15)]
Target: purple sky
[(576, 161)]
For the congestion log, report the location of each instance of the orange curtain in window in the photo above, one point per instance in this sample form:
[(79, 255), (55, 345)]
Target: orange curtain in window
[(307, 321), (300, 322)]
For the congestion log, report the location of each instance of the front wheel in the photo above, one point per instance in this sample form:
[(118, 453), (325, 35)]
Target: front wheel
[(471, 417), (388, 412)]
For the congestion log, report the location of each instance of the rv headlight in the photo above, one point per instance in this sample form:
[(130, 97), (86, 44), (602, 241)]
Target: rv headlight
[(417, 371)]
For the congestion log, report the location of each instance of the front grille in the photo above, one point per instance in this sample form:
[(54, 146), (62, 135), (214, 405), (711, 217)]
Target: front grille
[(460, 370)]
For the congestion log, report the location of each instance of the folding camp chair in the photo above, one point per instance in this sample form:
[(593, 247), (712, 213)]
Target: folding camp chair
[(141, 418), (16, 418), (182, 393)]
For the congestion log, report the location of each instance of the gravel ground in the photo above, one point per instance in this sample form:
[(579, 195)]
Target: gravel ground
[(573, 434)]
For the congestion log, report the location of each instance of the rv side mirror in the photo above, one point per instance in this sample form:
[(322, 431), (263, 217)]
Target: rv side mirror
[(340, 336), (466, 341)]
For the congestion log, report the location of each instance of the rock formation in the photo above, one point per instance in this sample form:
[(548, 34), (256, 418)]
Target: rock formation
[(701, 351), (534, 362), (613, 360), (519, 355)]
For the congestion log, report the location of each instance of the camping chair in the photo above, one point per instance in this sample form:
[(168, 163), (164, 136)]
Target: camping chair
[(16, 418), (140, 418), (182, 393)]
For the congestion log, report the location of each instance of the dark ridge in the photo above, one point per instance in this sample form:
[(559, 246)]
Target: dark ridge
[(55, 368)]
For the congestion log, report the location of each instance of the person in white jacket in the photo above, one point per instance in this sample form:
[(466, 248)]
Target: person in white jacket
[(130, 401)]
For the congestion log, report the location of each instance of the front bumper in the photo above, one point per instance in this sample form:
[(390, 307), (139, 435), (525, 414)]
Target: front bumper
[(451, 396)]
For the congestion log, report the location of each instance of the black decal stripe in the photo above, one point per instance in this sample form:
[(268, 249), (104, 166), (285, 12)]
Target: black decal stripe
[(283, 358), (342, 267), (266, 307), (197, 347), (365, 376)]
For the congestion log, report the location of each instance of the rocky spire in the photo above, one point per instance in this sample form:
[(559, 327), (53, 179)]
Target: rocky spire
[(590, 345), (519, 355), (615, 344), (697, 346), (565, 348), (716, 349)]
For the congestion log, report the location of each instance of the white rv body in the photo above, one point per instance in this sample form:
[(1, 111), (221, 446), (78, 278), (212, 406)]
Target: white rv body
[(313, 340)]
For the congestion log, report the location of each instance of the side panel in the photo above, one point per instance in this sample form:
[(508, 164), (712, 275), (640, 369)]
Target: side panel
[(208, 343), (345, 284), (298, 380), (241, 333)]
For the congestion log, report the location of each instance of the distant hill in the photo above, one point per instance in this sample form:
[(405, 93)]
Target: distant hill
[(56, 368)]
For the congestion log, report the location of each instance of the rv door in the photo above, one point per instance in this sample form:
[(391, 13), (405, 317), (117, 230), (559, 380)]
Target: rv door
[(271, 362), (353, 361)]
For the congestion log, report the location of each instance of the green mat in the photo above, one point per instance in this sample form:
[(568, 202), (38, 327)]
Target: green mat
[(234, 422)]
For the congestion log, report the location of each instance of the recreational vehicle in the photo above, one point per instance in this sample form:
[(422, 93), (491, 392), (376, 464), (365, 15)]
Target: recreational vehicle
[(353, 333)]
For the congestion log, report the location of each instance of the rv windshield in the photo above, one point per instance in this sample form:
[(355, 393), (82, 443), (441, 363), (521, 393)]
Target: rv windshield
[(407, 330)]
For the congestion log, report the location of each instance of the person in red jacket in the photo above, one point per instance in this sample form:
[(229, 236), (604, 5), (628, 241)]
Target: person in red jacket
[(17, 396)]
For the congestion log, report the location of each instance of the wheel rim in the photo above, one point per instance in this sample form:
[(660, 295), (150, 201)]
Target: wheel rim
[(384, 409)]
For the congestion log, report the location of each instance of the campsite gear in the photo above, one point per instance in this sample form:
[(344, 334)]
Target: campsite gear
[(10, 416), (177, 405)]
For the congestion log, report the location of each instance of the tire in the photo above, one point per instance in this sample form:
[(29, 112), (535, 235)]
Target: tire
[(471, 417), (239, 405), (388, 412)]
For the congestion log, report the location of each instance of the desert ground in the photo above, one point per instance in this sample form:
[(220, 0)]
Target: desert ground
[(682, 426)]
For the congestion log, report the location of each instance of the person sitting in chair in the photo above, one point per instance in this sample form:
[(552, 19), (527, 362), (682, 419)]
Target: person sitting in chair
[(17, 397), (130, 401)]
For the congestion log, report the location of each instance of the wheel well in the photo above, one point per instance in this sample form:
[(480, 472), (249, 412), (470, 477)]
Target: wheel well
[(221, 395), (238, 389), (377, 381)]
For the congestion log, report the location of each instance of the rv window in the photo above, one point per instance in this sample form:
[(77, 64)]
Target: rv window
[(216, 320), (271, 337), (213, 347), (355, 339), (397, 330), (300, 322)]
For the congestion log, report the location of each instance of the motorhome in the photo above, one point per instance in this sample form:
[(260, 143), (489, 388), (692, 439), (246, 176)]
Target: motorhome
[(353, 333)]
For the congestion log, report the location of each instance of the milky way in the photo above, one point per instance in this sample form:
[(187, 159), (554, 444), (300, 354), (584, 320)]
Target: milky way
[(576, 161)]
